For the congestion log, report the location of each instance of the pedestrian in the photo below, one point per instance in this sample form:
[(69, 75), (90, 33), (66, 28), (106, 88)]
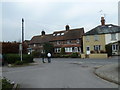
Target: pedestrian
[(49, 57), (43, 56)]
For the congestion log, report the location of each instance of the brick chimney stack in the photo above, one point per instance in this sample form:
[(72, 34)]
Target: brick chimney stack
[(67, 27), (43, 33), (102, 21)]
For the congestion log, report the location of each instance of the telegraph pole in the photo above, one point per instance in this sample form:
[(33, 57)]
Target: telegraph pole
[(21, 45), (22, 30)]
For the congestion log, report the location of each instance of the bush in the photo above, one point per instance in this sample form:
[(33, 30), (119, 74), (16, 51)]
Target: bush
[(6, 85), (92, 51), (36, 54), (109, 49), (74, 55), (62, 51), (13, 58), (19, 63), (27, 58)]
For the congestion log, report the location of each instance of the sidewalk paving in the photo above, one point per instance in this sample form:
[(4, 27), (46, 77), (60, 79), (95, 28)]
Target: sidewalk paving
[(109, 73)]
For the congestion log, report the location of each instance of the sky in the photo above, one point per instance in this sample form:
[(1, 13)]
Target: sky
[(53, 15)]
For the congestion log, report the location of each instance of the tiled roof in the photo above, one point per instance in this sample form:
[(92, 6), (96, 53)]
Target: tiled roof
[(41, 39), (69, 34), (106, 29)]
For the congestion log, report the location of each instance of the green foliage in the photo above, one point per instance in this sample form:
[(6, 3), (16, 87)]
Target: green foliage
[(48, 48), (6, 85), (109, 49), (27, 58), (19, 63), (62, 51), (12, 58), (74, 55), (36, 54)]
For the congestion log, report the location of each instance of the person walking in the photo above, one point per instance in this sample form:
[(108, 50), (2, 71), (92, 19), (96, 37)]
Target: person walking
[(43, 56), (49, 57)]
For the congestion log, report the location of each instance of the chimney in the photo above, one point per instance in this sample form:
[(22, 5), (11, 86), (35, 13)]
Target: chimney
[(67, 27), (102, 21), (43, 33)]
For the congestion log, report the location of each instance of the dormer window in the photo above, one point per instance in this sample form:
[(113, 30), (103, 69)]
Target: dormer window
[(78, 40), (58, 34), (54, 34), (62, 33)]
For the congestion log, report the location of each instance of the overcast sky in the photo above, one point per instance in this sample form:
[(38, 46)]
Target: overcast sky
[(53, 15)]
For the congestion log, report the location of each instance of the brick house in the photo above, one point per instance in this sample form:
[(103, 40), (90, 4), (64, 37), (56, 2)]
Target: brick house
[(70, 39)]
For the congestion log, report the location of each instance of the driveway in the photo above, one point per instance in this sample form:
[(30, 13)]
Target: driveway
[(61, 73)]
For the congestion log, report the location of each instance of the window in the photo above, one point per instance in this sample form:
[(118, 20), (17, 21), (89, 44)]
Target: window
[(34, 45), (96, 38), (114, 47), (58, 34), (54, 34), (87, 38), (78, 40), (113, 36), (58, 42), (97, 47), (68, 41), (57, 50), (62, 33)]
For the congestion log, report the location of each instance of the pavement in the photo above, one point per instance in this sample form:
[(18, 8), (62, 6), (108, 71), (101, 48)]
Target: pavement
[(109, 73), (61, 73)]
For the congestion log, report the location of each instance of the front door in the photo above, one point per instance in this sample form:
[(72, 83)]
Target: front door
[(87, 50)]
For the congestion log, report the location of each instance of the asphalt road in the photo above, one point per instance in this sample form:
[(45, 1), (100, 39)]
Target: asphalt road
[(60, 73)]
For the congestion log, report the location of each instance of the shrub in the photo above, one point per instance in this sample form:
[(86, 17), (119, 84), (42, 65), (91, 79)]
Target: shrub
[(62, 51), (92, 51), (102, 51), (27, 58), (13, 58), (74, 55), (19, 63), (109, 49), (36, 54), (6, 85)]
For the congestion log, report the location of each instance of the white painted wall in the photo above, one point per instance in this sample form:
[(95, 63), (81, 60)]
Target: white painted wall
[(108, 38)]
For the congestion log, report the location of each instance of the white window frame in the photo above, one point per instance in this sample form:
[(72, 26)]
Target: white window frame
[(97, 47)]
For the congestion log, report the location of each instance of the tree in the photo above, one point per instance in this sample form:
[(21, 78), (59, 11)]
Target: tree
[(48, 48), (13, 47), (62, 51), (109, 49)]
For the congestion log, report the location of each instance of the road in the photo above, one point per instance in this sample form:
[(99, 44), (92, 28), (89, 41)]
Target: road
[(61, 73)]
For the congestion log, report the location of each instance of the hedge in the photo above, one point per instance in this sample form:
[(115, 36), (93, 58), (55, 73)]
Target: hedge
[(12, 58)]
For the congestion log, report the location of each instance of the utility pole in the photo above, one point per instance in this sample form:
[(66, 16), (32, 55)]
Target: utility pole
[(21, 45), (22, 30)]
